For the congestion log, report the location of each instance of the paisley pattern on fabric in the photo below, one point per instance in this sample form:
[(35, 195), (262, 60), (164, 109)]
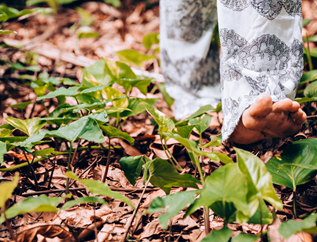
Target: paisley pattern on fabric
[(269, 9)]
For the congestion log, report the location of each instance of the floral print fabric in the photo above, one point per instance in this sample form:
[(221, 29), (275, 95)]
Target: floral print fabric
[(261, 52)]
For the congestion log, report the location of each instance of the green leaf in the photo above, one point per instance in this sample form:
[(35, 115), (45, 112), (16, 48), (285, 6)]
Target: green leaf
[(86, 32), (184, 131), (242, 237), (291, 227), (101, 189), (7, 188), (57, 121), (222, 235), (201, 123), (221, 186), (132, 167), (134, 57), (43, 152), (28, 126), (86, 18), (266, 215), (308, 76), (259, 182), (150, 39), (165, 123), (95, 75), (302, 152), (136, 106), (118, 70), (82, 200), (101, 116), (168, 99), (311, 38), (141, 84), (33, 204), (305, 99), (113, 93), (20, 106), (5, 132), (306, 21), (165, 176), (191, 146), (7, 31), (199, 112), (112, 132), (62, 91), (171, 205), (311, 90), (115, 3)]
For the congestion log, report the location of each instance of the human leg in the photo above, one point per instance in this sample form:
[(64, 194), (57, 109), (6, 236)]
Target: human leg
[(261, 53), (190, 63)]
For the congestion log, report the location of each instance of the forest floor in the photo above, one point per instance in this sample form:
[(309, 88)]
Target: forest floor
[(50, 41)]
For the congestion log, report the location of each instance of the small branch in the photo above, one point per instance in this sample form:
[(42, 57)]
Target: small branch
[(134, 212), (33, 172), (104, 178), (51, 176), (68, 166)]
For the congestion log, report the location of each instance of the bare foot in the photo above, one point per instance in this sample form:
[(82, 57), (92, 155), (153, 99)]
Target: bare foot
[(265, 119)]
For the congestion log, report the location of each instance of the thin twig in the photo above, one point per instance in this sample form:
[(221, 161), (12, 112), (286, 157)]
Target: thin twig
[(134, 212), (9, 225), (30, 165), (51, 176), (104, 178)]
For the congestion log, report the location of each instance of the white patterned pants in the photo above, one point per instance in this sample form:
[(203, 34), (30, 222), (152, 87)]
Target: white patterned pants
[(261, 52)]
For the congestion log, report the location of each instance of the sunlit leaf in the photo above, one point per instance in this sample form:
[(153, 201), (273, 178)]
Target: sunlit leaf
[(171, 205), (7, 188), (113, 132), (150, 39), (86, 32), (86, 18), (34, 204), (201, 123), (184, 131), (28, 126), (134, 57), (136, 106), (62, 91), (5, 132), (118, 70), (168, 99), (113, 93), (132, 167), (199, 112), (7, 31), (306, 21), (101, 189), (311, 90), (82, 200), (291, 227), (115, 3), (141, 84), (302, 152), (165, 176), (43, 152), (309, 76), (165, 123)]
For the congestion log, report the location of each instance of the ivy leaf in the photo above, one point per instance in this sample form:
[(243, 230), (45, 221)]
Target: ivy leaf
[(309, 76), (311, 90), (199, 112), (242, 237), (113, 93), (28, 126), (136, 106), (259, 182), (132, 167), (82, 200), (112, 132), (165, 176), (301, 153), (62, 91), (291, 227), (117, 70), (20, 106), (171, 205), (222, 235), (5, 132), (134, 57), (101, 189), (141, 84), (165, 123), (34, 204), (184, 131), (86, 32), (168, 99)]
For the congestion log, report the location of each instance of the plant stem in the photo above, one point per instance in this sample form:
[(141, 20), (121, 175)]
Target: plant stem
[(33, 172), (135, 211), (206, 222), (294, 204), (310, 63), (51, 176), (68, 165), (45, 107), (261, 220), (104, 178), (170, 156), (9, 225)]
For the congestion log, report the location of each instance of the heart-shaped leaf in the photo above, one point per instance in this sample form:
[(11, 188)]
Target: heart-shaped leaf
[(28, 126), (150, 39), (201, 123), (221, 186), (20, 106), (118, 70), (302, 152), (101, 189), (112, 132), (62, 91), (141, 84), (171, 205), (165, 123), (86, 32), (309, 76), (311, 90), (132, 167), (259, 181), (113, 93), (222, 235), (5, 132), (165, 176), (199, 112)]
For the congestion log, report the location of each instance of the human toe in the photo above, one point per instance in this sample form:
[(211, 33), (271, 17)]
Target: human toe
[(284, 105), (261, 107)]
